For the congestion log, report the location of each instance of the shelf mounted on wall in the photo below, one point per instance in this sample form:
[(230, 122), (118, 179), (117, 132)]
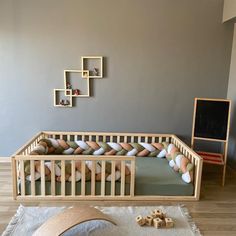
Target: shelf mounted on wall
[(64, 100), (76, 92), (91, 68), (94, 64)]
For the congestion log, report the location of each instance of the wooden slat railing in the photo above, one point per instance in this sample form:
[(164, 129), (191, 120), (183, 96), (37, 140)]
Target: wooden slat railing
[(23, 154), (73, 158)]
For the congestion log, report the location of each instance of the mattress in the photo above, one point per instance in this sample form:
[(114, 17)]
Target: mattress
[(153, 177)]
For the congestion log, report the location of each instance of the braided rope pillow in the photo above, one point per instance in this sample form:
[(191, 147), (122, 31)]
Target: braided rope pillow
[(176, 159), (59, 146)]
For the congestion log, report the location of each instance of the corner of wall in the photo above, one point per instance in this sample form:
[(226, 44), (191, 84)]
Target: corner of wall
[(231, 94)]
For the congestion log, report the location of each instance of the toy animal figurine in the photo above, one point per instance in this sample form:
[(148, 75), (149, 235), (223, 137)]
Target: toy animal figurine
[(68, 85), (95, 71), (62, 102), (67, 103), (77, 92)]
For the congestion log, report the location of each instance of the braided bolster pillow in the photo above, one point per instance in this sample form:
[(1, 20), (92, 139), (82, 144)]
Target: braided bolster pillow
[(58, 146)]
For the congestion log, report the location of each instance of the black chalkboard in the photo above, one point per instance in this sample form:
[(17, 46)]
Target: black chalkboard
[(211, 119)]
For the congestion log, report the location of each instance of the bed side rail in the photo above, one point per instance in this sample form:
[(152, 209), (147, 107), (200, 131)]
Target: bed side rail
[(195, 159), (109, 137), (30, 145), (72, 159)]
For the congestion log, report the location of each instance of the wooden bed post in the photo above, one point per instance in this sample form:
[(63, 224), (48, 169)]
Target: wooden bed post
[(197, 186), (14, 177)]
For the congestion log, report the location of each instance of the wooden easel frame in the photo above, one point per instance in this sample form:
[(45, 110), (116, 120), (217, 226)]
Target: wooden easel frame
[(224, 142)]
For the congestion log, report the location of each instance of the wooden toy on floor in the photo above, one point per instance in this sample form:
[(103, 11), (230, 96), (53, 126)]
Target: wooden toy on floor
[(140, 220), (158, 219), (158, 223), (148, 220), (169, 222), (153, 214), (158, 213)]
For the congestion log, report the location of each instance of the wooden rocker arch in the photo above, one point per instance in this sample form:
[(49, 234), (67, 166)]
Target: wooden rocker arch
[(62, 222)]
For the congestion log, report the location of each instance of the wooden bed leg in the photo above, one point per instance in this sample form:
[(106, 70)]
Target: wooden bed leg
[(14, 177), (224, 173)]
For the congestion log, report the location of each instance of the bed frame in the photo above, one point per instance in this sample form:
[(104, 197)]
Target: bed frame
[(23, 154)]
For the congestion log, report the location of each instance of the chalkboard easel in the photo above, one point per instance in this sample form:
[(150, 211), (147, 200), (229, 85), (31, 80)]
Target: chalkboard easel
[(211, 121)]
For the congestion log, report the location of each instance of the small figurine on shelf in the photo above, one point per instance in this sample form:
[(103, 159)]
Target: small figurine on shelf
[(68, 85), (85, 73), (62, 102), (67, 103), (76, 92), (95, 71)]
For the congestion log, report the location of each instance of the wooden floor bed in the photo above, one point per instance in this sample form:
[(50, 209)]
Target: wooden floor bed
[(22, 155)]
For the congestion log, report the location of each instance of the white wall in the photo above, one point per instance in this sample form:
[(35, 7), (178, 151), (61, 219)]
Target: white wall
[(229, 10), (232, 96)]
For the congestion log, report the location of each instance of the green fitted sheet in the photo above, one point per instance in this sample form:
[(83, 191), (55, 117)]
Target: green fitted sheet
[(78, 188), (153, 177)]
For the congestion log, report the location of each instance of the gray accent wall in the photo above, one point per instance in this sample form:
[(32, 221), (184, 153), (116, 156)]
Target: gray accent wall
[(159, 55)]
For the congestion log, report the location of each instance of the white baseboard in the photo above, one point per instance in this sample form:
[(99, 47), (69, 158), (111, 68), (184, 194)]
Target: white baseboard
[(5, 159)]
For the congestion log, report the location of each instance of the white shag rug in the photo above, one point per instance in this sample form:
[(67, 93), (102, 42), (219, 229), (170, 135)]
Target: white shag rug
[(28, 219)]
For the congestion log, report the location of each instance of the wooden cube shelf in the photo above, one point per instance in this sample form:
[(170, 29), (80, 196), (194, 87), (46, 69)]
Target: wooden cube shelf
[(84, 74), (90, 63), (67, 93), (92, 67)]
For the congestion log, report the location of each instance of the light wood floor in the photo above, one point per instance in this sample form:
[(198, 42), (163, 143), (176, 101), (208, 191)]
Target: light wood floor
[(214, 214)]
